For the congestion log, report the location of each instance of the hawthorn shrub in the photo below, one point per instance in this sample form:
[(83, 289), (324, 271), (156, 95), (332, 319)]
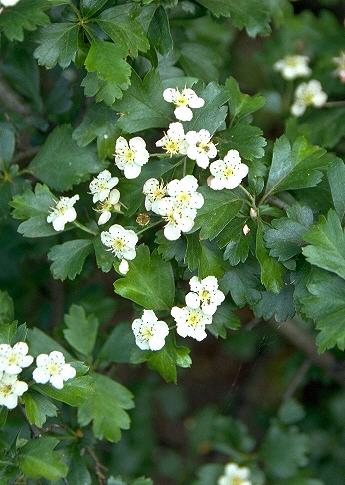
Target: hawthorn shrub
[(153, 213)]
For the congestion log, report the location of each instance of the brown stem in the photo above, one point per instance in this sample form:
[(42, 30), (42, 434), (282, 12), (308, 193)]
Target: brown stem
[(11, 100), (99, 468), (301, 339), (297, 379)]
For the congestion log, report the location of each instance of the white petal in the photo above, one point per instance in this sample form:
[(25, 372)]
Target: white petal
[(20, 387), (10, 401), (68, 372), (104, 218), (192, 300), (59, 223), (149, 316), (121, 144), (41, 376), (42, 360), (57, 357), (196, 102), (169, 94), (56, 381), (183, 113), (172, 233), (132, 171), (70, 215), (123, 267), (156, 342), (137, 143)]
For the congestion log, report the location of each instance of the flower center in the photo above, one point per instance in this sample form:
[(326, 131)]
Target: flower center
[(228, 172), (193, 320), (237, 481), (118, 244), (291, 62), (172, 147), (170, 217), (183, 197), (12, 360), (6, 390), (146, 333), (181, 101), (54, 369), (158, 193), (129, 155), (308, 98), (205, 295), (203, 147), (102, 185)]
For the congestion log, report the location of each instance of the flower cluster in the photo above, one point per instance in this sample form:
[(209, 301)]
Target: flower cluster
[(191, 320), (306, 94), (49, 368), (177, 203), (235, 475)]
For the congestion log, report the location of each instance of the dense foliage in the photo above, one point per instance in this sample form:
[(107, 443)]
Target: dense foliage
[(152, 213)]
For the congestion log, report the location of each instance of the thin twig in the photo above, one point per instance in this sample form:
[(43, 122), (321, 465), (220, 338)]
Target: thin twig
[(301, 339), (297, 379), (278, 203), (99, 468)]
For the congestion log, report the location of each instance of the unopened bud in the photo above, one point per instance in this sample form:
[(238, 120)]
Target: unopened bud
[(253, 213), (246, 229)]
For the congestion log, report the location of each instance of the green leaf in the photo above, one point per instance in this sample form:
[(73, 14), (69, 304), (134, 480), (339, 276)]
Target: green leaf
[(58, 45), (200, 61), (68, 258), (149, 281), (284, 451), (106, 408), (81, 331), (243, 284), (38, 408), (6, 308), (242, 105), (75, 392), (326, 306), (118, 346), (120, 25), (39, 343), (336, 179), (272, 272), (37, 459), (30, 204), (244, 138), (278, 306), (237, 244), (107, 61), (212, 115), (34, 206), (7, 332), (295, 167), (224, 319), (210, 260), (78, 473), (166, 360), (252, 15), (25, 15), (326, 247), (159, 31), (61, 163), (285, 237), (7, 143), (104, 259), (291, 412), (143, 106), (218, 211), (99, 123)]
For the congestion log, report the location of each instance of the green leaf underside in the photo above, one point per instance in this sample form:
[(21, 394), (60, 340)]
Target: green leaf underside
[(68, 258)]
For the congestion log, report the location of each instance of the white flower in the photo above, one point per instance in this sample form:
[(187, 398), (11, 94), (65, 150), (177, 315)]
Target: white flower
[(191, 322), (154, 190), (10, 390), (340, 63), (124, 267), (183, 101), (120, 241), (246, 229), (179, 219), (185, 192), (63, 212), (52, 368), (204, 294), (14, 359), (235, 475), (174, 141), (308, 94), (227, 173), (101, 186), (292, 67), (111, 204), (149, 332), (9, 3), (200, 147), (131, 156)]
